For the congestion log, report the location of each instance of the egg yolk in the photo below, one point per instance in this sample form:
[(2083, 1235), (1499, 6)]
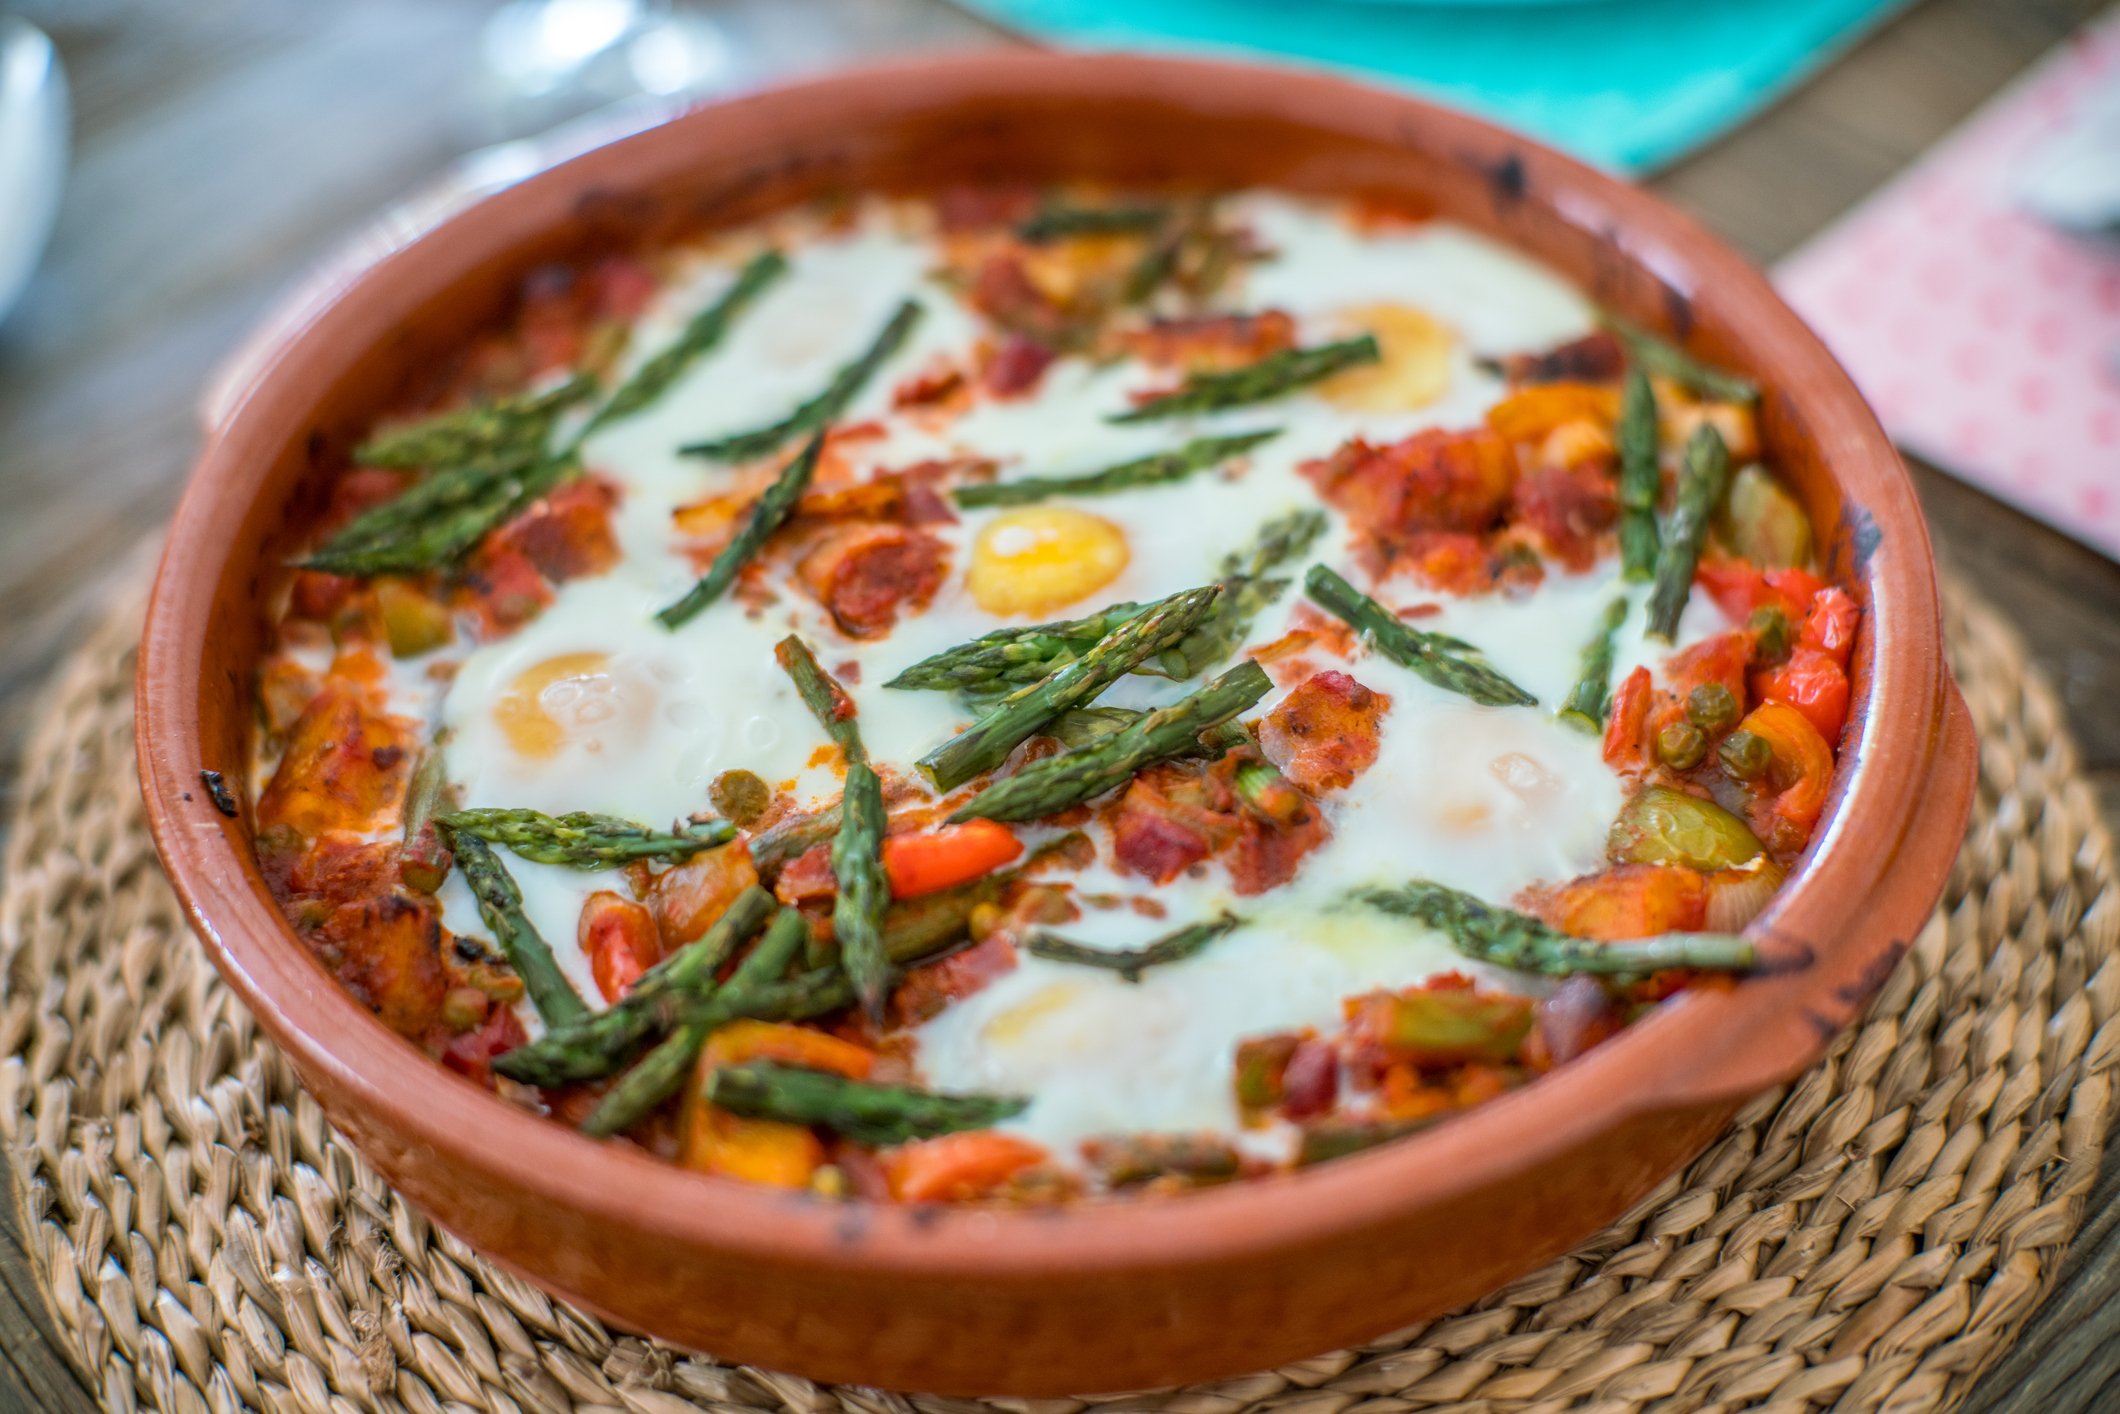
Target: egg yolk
[(1413, 371), (1043, 557), (559, 700)]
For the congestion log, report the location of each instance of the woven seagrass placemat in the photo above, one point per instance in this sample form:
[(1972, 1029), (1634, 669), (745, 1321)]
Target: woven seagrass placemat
[(1869, 1237)]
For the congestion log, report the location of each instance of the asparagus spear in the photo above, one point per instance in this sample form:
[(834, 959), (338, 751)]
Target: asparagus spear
[(827, 700), (1057, 782), (792, 838), (1059, 222), (1701, 480), (1449, 663), (1171, 947), (771, 509), (424, 860), (1639, 480), (1337, 1138), (1274, 376), (662, 1071), (584, 840), (864, 892), (1507, 938), (601, 1042), (654, 377), (508, 429), (861, 1111), (1158, 470), (500, 903), (432, 524), (1015, 654), (1245, 593), (987, 744), (820, 410), (1657, 356), (1585, 707)]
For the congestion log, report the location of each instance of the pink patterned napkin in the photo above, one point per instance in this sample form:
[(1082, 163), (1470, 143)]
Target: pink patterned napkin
[(1988, 341)]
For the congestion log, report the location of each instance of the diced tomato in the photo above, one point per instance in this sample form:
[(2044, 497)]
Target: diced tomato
[(952, 855), (865, 572), (957, 1167), (1017, 366), (1311, 1082), (620, 939), (1431, 481), (806, 877), (1628, 901), (1624, 750), (471, 1054), (1156, 846), (504, 589), (1720, 659), (623, 288), (361, 489), (1830, 626), (566, 535), (687, 898), (1738, 588), (1568, 508), (320, 596), (1324, 734), (926, 991), (937, 384), (1813, 683)]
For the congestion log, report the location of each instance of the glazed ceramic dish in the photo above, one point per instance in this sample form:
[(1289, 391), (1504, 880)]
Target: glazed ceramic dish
[(1045, 1297)]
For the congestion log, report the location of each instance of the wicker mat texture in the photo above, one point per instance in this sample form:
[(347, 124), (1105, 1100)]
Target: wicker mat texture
[(1869, 1237)]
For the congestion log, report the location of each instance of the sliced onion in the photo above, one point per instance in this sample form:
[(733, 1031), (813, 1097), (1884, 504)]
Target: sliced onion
[(1735, 896)]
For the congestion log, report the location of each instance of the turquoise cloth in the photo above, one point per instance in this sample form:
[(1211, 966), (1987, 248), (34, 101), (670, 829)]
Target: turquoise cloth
[(1626, 84)]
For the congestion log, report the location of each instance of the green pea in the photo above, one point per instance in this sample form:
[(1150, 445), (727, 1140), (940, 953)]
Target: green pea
[(1712, 707), (1745, 755), (1681, 746)]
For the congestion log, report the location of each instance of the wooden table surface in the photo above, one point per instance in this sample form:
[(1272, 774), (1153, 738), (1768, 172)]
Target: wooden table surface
[(223, 145)]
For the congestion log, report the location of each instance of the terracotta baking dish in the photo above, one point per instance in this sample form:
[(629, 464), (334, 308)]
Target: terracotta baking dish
[(1126, 1295)]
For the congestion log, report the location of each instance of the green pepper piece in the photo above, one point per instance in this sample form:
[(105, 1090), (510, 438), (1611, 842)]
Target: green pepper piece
[(1665, 826), (1450, 1027), (1761, 521)]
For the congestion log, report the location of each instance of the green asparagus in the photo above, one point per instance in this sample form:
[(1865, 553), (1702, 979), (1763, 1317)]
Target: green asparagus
[(600, 1043), (1015, 655), (1056, 223), (792, 838), (510, 429), (1701, 480), (1449, 663), (586, 841), (1171, 947), (1274, 376), (988, 743), (1055, 783), (864, 892), (655, 376), (861, 1111), (500, 903), (1506, 938), (1158, 470), (1654, 355), (827, 700), (434, 523), (1639, 480), (1586, 704), (771, 509), (819, 411), (1245, 593)]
